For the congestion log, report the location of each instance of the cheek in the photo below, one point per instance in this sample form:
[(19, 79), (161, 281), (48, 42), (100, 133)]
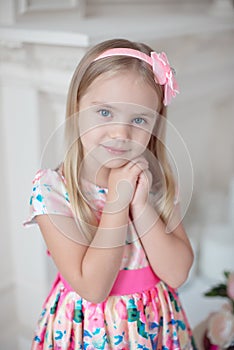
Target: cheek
[(90, 138), (142, 137), (140, 143), (87, 122)]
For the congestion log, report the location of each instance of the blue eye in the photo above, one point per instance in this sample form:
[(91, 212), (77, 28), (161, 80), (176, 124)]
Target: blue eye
[(104, 113), (139, 121)]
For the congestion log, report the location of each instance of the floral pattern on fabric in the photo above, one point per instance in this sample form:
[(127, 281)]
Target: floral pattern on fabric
[(152, 319)]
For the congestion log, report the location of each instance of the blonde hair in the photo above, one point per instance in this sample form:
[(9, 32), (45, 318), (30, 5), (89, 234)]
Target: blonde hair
[(86, 72)]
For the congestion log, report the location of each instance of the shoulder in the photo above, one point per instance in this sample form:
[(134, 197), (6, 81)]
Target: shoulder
[(49, 194), (52, 176), (48, 180)]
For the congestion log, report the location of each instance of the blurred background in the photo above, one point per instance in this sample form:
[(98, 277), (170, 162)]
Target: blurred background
[(41, 42)]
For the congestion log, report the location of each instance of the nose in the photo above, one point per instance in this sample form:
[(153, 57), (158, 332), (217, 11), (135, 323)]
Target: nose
[(119, 131)]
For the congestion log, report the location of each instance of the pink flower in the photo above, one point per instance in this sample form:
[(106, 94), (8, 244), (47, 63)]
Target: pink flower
[(70, 311), (164, 76), (221, 328), (121, 309), (230, 286), (227, 307), (95, 317)]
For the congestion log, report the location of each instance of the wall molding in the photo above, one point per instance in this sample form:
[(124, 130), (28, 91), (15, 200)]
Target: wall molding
[(27, 6)]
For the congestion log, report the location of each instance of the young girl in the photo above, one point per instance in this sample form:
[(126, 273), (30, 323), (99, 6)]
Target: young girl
[(106, 211)]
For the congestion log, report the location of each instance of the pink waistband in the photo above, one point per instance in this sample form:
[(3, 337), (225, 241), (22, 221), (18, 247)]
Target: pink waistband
[(128, 281), (133, 281)]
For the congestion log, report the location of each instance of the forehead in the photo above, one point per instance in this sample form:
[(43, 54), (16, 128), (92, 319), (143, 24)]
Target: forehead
[(121, 87)]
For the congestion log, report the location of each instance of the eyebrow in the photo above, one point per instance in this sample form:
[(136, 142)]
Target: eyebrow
[(150, 113), (104, 104)]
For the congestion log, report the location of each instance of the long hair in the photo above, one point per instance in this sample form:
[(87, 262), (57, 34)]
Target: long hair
[(86, 72)]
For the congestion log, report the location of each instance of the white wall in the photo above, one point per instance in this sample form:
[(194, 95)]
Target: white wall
[(36, 63), (7, 275)]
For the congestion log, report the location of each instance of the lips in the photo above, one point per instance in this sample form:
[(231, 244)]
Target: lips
[(115, 150)]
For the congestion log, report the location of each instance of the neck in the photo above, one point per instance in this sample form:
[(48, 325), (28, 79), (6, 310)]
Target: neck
[(95, 174)]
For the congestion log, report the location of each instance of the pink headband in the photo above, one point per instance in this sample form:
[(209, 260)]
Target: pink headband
[(164, 74)]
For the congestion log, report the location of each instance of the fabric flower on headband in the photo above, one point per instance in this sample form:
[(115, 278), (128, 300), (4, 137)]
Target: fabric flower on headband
[(165, 76), (164, 73)]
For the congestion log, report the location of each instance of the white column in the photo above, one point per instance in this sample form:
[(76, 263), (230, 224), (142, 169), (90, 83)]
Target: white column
[(21, 136), (7, 285), (7, 12)]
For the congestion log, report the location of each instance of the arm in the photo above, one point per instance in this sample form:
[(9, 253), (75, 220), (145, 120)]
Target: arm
[(170, 255), (92, 269)]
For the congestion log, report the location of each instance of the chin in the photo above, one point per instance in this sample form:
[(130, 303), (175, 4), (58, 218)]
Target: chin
[(115, 163)]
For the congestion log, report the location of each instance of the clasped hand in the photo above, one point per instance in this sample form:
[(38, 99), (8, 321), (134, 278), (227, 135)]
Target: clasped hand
[(129, 185)]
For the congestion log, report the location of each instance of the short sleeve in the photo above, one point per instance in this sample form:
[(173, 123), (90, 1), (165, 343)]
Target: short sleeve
[(49, 196)]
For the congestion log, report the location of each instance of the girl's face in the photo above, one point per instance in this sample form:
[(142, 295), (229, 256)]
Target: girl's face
[(116, 118)]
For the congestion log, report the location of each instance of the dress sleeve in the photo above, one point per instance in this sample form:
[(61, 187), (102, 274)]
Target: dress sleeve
[(49, 196)]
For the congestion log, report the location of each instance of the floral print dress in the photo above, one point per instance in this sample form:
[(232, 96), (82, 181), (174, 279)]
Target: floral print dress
[(150, 319)]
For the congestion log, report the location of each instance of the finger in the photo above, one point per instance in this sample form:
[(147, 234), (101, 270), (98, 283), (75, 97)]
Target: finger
[(145, 178), (138, 169), (140, 163), (140, 159)]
